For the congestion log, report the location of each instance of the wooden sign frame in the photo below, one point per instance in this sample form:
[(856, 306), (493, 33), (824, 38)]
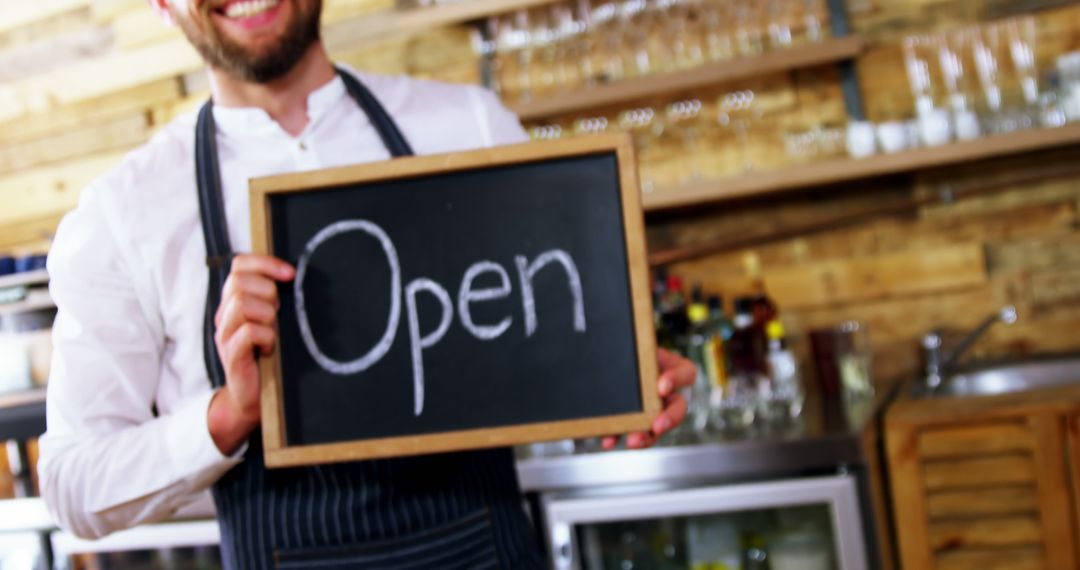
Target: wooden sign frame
[(278, 453)]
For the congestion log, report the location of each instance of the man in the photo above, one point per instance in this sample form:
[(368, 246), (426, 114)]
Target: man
[(136, 428)]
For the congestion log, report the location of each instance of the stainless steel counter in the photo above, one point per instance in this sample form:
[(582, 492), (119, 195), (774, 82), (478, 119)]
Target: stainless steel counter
[(828, 437), (22, 414)]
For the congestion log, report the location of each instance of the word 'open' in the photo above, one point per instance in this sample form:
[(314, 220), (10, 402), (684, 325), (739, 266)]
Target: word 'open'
[(467, 296)]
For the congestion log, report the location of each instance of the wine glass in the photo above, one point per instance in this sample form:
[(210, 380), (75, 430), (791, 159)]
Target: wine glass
[(987, 49), (485, 45), (747, 19), (634, 20), (957, 76), (520, 37), (546, 132), (545, 44), (952, 71), (800, 145), (917, 52), (681, 133), (644, 128), (1020, 33), (590, 125), (679, 33), (607, 18), (735, 112), (778, 24), (716, 18), (573, 48), (585, 44), (814, 15)]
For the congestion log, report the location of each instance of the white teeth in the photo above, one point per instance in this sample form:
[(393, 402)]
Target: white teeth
[(249, 8)]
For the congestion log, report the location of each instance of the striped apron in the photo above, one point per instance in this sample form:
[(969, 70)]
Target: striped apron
[(447, 511)]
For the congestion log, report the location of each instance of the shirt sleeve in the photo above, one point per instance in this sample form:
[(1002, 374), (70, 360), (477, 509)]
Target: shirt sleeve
[(107, 461), (499, 125)]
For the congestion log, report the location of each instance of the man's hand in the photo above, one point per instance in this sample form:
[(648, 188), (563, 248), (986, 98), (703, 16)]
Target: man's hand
[(676, 373), (246, 321)]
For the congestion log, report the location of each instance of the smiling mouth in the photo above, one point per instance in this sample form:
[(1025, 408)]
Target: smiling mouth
[(246, 8)]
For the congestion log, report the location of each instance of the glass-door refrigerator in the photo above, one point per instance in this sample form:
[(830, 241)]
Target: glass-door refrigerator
[(795, 524)]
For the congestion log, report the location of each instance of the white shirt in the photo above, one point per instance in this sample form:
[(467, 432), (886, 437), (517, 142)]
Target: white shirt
[(129, 278)]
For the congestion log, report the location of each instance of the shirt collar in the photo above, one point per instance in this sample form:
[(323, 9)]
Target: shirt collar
[(247, 122)]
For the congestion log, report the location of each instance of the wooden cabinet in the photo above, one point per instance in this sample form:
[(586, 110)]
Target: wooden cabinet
[(1072, 428), (985, 489)]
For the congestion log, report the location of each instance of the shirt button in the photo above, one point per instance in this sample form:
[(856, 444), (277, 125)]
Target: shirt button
[(303, 146)]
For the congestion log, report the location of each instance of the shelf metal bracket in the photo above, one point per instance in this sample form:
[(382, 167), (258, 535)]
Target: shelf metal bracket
[(849, 77)]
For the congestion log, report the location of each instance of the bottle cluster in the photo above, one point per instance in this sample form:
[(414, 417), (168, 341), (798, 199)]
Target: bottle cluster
[(747, 375)]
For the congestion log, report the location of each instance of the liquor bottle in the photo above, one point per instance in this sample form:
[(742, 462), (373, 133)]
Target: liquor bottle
[(755, 552), (717, 364), (719, 333), (699, 345), (664, 337), (713, 543), (765, 312), (786, 398), (746, 351), (763, 308), (747, 346), (674, 317)]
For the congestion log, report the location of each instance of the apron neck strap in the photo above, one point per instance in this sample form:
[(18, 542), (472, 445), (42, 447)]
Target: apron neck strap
[(380, 119), (212, 209)]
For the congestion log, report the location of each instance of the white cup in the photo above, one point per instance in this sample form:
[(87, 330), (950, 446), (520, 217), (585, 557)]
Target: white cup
[(913, 137), (892, 136), (1071, 103), (934, 127), (860, 139), (967, 125), (15, 360)]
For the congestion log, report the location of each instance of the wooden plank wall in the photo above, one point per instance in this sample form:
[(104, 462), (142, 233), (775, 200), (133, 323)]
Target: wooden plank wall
[(82, 82), (943, 265), (947, 264)]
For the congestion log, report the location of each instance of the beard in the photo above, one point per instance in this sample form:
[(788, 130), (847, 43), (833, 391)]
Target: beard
[(243, 63)]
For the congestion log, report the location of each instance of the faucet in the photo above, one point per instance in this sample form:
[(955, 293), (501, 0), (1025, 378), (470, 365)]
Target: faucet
[(939, 365)]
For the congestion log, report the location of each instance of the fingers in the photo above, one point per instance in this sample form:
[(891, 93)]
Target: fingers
[(636, 440), (676, 372), (250, 292), (674, 412), (639, 440), (675, 407), (239, 353), (239, 310), (244, 283), (246, 317), (253, 284), (265, 265)]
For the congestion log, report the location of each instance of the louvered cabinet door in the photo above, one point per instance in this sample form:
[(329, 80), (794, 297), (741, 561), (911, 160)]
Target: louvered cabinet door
[(983, 495), (1072, 426)]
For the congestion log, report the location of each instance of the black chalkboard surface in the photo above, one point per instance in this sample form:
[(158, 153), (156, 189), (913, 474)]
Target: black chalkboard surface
[(457, 301)]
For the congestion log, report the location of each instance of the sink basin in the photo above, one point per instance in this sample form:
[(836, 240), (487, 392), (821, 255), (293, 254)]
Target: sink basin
[(1008, 378)]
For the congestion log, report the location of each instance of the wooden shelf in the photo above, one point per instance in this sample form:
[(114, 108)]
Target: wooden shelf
[(36, 277), (22, 415), (36, 303), (25, 515), (798, 57), (26, 397), (398, 24), (848, 170)]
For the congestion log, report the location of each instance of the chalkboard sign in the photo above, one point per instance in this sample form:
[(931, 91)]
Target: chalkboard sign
[(457, 301)]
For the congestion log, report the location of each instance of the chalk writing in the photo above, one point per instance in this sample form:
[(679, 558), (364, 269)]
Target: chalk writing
[(383, 346), (467, 295)]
